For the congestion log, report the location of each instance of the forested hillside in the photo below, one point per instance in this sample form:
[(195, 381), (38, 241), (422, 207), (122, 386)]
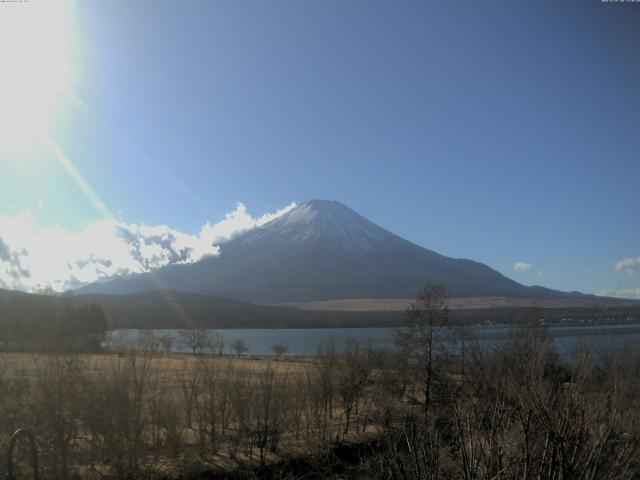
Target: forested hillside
[(40, 322)]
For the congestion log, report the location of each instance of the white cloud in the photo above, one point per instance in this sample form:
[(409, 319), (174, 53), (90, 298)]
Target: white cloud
[(237, 222), (630, 266), (630, 293), (267, 217), (33, 256), (522, 267)]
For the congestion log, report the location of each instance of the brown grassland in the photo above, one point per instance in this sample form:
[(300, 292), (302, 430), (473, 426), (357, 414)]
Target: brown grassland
[(516, 411), (462, 303)]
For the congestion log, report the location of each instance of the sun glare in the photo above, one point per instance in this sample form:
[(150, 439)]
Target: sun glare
[(35, 68)]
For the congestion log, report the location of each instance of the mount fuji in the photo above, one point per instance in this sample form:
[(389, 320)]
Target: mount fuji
[(323, 250)]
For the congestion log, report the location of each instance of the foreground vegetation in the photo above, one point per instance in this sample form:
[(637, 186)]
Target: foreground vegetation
[(514, 412), (518, 411)]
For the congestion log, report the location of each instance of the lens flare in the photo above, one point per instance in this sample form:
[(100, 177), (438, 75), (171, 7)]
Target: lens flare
[(36, 65)]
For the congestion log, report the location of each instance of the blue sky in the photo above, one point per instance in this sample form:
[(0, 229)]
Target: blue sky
[(499, 131)]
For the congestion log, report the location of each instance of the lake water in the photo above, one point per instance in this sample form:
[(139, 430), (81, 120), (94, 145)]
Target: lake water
[(307, 341)]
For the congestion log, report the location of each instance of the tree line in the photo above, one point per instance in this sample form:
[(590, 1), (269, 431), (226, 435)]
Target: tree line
[(36, 322)]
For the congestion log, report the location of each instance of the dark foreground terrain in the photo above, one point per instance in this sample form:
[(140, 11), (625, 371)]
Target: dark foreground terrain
[(514, 412)]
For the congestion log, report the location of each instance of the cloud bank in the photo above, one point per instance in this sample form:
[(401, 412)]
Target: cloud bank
[(630, 266), (629, 293), (34, 256), (522, 267)]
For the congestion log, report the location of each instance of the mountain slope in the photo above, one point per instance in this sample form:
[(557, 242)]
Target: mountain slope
[(322, 250), (169, 309)]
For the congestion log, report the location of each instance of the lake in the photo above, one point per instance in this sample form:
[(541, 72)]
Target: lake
[(307, 341)]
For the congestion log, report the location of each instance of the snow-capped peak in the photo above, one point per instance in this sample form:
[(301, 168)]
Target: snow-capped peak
[(326, 219)]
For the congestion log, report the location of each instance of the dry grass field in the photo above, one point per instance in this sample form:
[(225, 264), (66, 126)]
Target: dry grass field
[(172, 366), (515, 412), (138, 410)]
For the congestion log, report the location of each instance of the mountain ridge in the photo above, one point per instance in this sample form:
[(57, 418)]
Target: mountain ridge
[(323, 250)]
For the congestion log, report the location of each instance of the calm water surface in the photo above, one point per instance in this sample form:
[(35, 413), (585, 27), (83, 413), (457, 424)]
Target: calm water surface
[(307, 341)]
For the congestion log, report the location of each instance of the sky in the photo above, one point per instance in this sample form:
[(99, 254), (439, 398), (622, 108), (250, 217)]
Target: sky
[(138, 134)]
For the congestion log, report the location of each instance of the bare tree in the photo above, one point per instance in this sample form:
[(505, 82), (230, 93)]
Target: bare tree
[(167, 344), (196, 339), (217, 343), (322, 383), (120, 340), (148, 341), (352, 375), (59, 388), (268, 410), (206, 413), (421, 335), (279, 349), (239, 347)]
